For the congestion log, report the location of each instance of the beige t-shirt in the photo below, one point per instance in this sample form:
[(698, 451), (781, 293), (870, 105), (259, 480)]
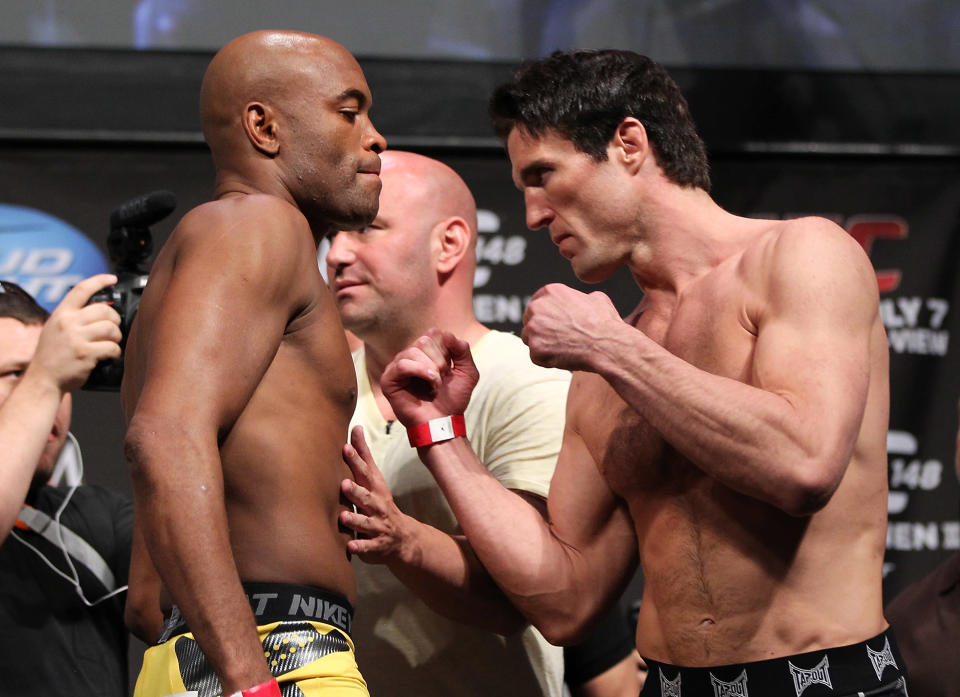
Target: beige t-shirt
[(515, 425)]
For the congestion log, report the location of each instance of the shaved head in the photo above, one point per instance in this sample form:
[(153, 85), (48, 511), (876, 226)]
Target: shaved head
[(435, 190), (287, 114), (263, 66), (413, 268)]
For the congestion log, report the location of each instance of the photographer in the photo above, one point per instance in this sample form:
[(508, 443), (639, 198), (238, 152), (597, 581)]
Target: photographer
[(62, 640)]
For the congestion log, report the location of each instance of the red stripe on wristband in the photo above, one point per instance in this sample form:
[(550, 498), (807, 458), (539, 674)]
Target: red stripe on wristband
[(270, 688), (437, 430)]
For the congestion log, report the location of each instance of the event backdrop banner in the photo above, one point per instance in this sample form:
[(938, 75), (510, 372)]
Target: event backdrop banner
[(904, 212)]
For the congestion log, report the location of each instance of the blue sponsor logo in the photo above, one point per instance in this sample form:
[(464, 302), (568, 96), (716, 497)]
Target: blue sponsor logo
[(44, 255)]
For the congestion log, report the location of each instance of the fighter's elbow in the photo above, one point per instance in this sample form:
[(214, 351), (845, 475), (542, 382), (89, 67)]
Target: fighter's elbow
[(137, 444), (143, 431), (563, 628), (145, 444), (812, 488)]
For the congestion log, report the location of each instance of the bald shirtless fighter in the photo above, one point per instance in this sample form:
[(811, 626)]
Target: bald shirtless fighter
[(730, 434), (239, 385)]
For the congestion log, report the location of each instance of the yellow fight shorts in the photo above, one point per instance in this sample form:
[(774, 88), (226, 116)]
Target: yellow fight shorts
[(306, 643)]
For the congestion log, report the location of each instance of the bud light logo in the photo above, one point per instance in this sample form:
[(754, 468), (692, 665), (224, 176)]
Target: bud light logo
[(44, 255)]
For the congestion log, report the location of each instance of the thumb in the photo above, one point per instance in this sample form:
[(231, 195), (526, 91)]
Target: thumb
[(457, 349)]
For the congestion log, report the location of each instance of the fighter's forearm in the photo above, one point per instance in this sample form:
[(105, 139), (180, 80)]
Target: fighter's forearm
[(751, 440), (185, 529), (509, 536), (26, 419), (445, 573), (142, 613)]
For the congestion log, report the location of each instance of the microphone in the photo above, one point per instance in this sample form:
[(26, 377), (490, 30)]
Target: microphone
[(143, 210)]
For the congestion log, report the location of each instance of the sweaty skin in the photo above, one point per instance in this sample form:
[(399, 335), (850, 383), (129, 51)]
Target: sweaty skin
[(238, 382)]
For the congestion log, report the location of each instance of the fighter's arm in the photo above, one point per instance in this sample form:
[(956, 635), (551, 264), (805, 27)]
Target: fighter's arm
[(560, 573), (522, 421), (215, 333), (142, 613), (73, 339), (787, 437), (441, 569)]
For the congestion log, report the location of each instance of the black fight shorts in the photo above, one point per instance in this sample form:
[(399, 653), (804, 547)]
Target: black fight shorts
[(873, 668)]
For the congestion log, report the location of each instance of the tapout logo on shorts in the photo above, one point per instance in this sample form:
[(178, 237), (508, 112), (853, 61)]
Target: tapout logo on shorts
[(45, 255), (669, 688), (737, 688), (804, 678), (882, 658)]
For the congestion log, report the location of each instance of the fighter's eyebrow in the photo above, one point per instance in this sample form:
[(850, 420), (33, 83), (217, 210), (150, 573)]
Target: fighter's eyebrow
[(13, 364), (527, 171), (353, 93)]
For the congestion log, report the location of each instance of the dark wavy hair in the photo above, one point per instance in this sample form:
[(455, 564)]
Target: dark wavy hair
[(585, 95), (18, 304)]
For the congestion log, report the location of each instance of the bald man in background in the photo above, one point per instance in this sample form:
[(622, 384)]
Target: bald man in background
[(239, 386), (410, 270)]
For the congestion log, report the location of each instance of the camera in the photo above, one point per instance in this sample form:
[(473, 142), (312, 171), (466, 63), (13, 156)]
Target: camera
[(129, 245)]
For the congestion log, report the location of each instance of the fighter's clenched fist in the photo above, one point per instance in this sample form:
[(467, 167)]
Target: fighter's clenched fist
[(564, 328), (431, 379)]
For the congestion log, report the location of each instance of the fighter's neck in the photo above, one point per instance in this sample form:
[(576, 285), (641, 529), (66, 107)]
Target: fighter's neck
[(228, 186), (684, 237)]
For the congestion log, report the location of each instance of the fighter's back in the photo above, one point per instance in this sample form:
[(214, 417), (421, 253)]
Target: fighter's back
[(236, 292)]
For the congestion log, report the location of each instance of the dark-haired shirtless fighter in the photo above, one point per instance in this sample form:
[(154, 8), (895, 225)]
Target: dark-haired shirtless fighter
[(239, 385), (731, 434)]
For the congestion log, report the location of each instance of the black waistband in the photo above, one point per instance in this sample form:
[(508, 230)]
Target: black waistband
[(837, 671), (280, 602)]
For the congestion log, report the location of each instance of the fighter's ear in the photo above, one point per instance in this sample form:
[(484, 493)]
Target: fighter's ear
[(630, 143), (453, 238), (260, 125)]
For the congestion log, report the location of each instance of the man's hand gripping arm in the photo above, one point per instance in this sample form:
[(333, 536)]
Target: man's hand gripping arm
[(441, 569)]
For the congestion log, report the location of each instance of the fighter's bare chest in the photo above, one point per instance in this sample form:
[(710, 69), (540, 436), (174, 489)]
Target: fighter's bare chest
[(313, 358), (712, 334)]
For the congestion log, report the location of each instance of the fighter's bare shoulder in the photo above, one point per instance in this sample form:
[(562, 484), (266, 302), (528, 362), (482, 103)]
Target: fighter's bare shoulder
[(242, 219), (263, 236), (813, 253)]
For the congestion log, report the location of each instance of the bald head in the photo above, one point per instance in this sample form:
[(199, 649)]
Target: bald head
[(426, 186), (287, 114), (413, 267), (263, 66)]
